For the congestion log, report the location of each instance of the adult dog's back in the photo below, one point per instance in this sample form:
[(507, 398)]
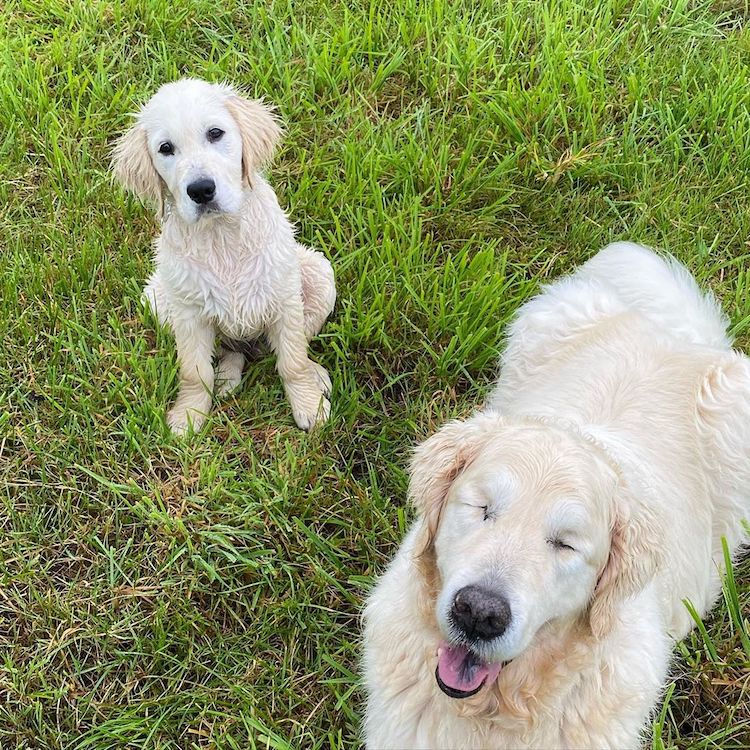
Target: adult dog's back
[(619, 395)]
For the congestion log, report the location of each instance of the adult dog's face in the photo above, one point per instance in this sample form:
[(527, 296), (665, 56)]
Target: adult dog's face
[(198, 144), (519, 523)]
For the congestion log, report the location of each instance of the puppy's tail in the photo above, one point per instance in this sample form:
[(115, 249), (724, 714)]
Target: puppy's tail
[(663, 290)]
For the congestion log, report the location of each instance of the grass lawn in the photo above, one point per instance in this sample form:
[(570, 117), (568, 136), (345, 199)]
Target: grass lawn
[(448, 157)]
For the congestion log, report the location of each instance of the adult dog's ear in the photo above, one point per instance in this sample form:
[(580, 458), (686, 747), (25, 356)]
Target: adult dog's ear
[(259, 129), (634, 556), (133, 168), (435, 465)]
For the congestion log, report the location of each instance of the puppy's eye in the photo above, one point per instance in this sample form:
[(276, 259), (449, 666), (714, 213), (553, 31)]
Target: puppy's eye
[(560, 544), (486, 513), (166, 148), (215, 134)]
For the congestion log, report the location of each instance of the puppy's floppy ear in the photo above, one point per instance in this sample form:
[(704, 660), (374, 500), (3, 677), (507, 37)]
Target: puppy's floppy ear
[(435, 465), (133, 168), (634, 556), (259, 129)]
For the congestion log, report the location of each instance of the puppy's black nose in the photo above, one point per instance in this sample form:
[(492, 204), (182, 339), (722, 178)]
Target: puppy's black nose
[(202, 191), (480, 613)]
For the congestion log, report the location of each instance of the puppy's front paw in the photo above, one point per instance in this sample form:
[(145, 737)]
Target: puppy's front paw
[(189, 411), (324, 379), (307, 418), (182, 421), (308, 401), (178, 422)]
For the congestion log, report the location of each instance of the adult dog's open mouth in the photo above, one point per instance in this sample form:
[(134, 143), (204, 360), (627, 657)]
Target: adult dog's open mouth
[(460, 673)]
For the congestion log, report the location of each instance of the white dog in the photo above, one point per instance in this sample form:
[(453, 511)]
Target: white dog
[(534, 602), (227, 262)]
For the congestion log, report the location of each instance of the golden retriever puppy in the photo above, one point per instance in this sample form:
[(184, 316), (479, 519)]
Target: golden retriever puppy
[(535, 601), (227, 261)]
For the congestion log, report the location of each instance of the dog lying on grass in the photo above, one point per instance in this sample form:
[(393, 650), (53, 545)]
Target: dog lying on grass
[(535, 601), (227, 262)]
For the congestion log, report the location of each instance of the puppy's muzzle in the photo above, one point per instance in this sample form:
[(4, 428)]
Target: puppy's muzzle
[(480, 614), (202, 191)]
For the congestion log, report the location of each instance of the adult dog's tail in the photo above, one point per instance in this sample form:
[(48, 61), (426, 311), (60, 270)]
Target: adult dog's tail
[(663, 290)]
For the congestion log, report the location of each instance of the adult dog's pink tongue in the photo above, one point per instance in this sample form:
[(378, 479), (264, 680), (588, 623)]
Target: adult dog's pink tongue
[(461, 671)]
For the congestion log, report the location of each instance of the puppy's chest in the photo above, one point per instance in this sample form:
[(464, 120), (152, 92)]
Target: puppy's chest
[(241, 297)]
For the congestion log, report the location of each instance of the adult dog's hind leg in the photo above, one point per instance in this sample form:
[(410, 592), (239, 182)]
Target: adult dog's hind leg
[(723, 421)]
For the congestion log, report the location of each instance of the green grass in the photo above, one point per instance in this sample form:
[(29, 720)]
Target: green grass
[(448, 157)]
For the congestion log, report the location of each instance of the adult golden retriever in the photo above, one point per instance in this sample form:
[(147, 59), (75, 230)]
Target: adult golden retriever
[(535, 601)]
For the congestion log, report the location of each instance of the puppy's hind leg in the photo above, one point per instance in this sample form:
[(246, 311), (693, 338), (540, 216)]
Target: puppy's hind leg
[(228, 371), (318, 299), (156, 297), (318, 289)]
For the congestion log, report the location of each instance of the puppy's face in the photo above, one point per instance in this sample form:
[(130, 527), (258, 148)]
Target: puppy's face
[(196, 148), (520, 540), (199, 144)]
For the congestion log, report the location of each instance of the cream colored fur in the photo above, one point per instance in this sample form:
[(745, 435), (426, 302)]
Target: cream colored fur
[(232, 268), (621, 424)]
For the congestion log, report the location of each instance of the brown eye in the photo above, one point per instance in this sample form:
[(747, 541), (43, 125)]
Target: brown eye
[(215, 134), (166, 148)]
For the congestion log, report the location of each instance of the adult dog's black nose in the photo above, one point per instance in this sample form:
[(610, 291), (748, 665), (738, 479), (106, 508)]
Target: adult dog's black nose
[(480, 613), (202, 191)]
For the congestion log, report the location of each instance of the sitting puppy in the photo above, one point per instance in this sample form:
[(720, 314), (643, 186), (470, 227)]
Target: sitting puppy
[(227, 262), (534, 602)]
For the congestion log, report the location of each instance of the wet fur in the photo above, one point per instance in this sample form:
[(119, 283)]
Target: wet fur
[(238, 274)]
